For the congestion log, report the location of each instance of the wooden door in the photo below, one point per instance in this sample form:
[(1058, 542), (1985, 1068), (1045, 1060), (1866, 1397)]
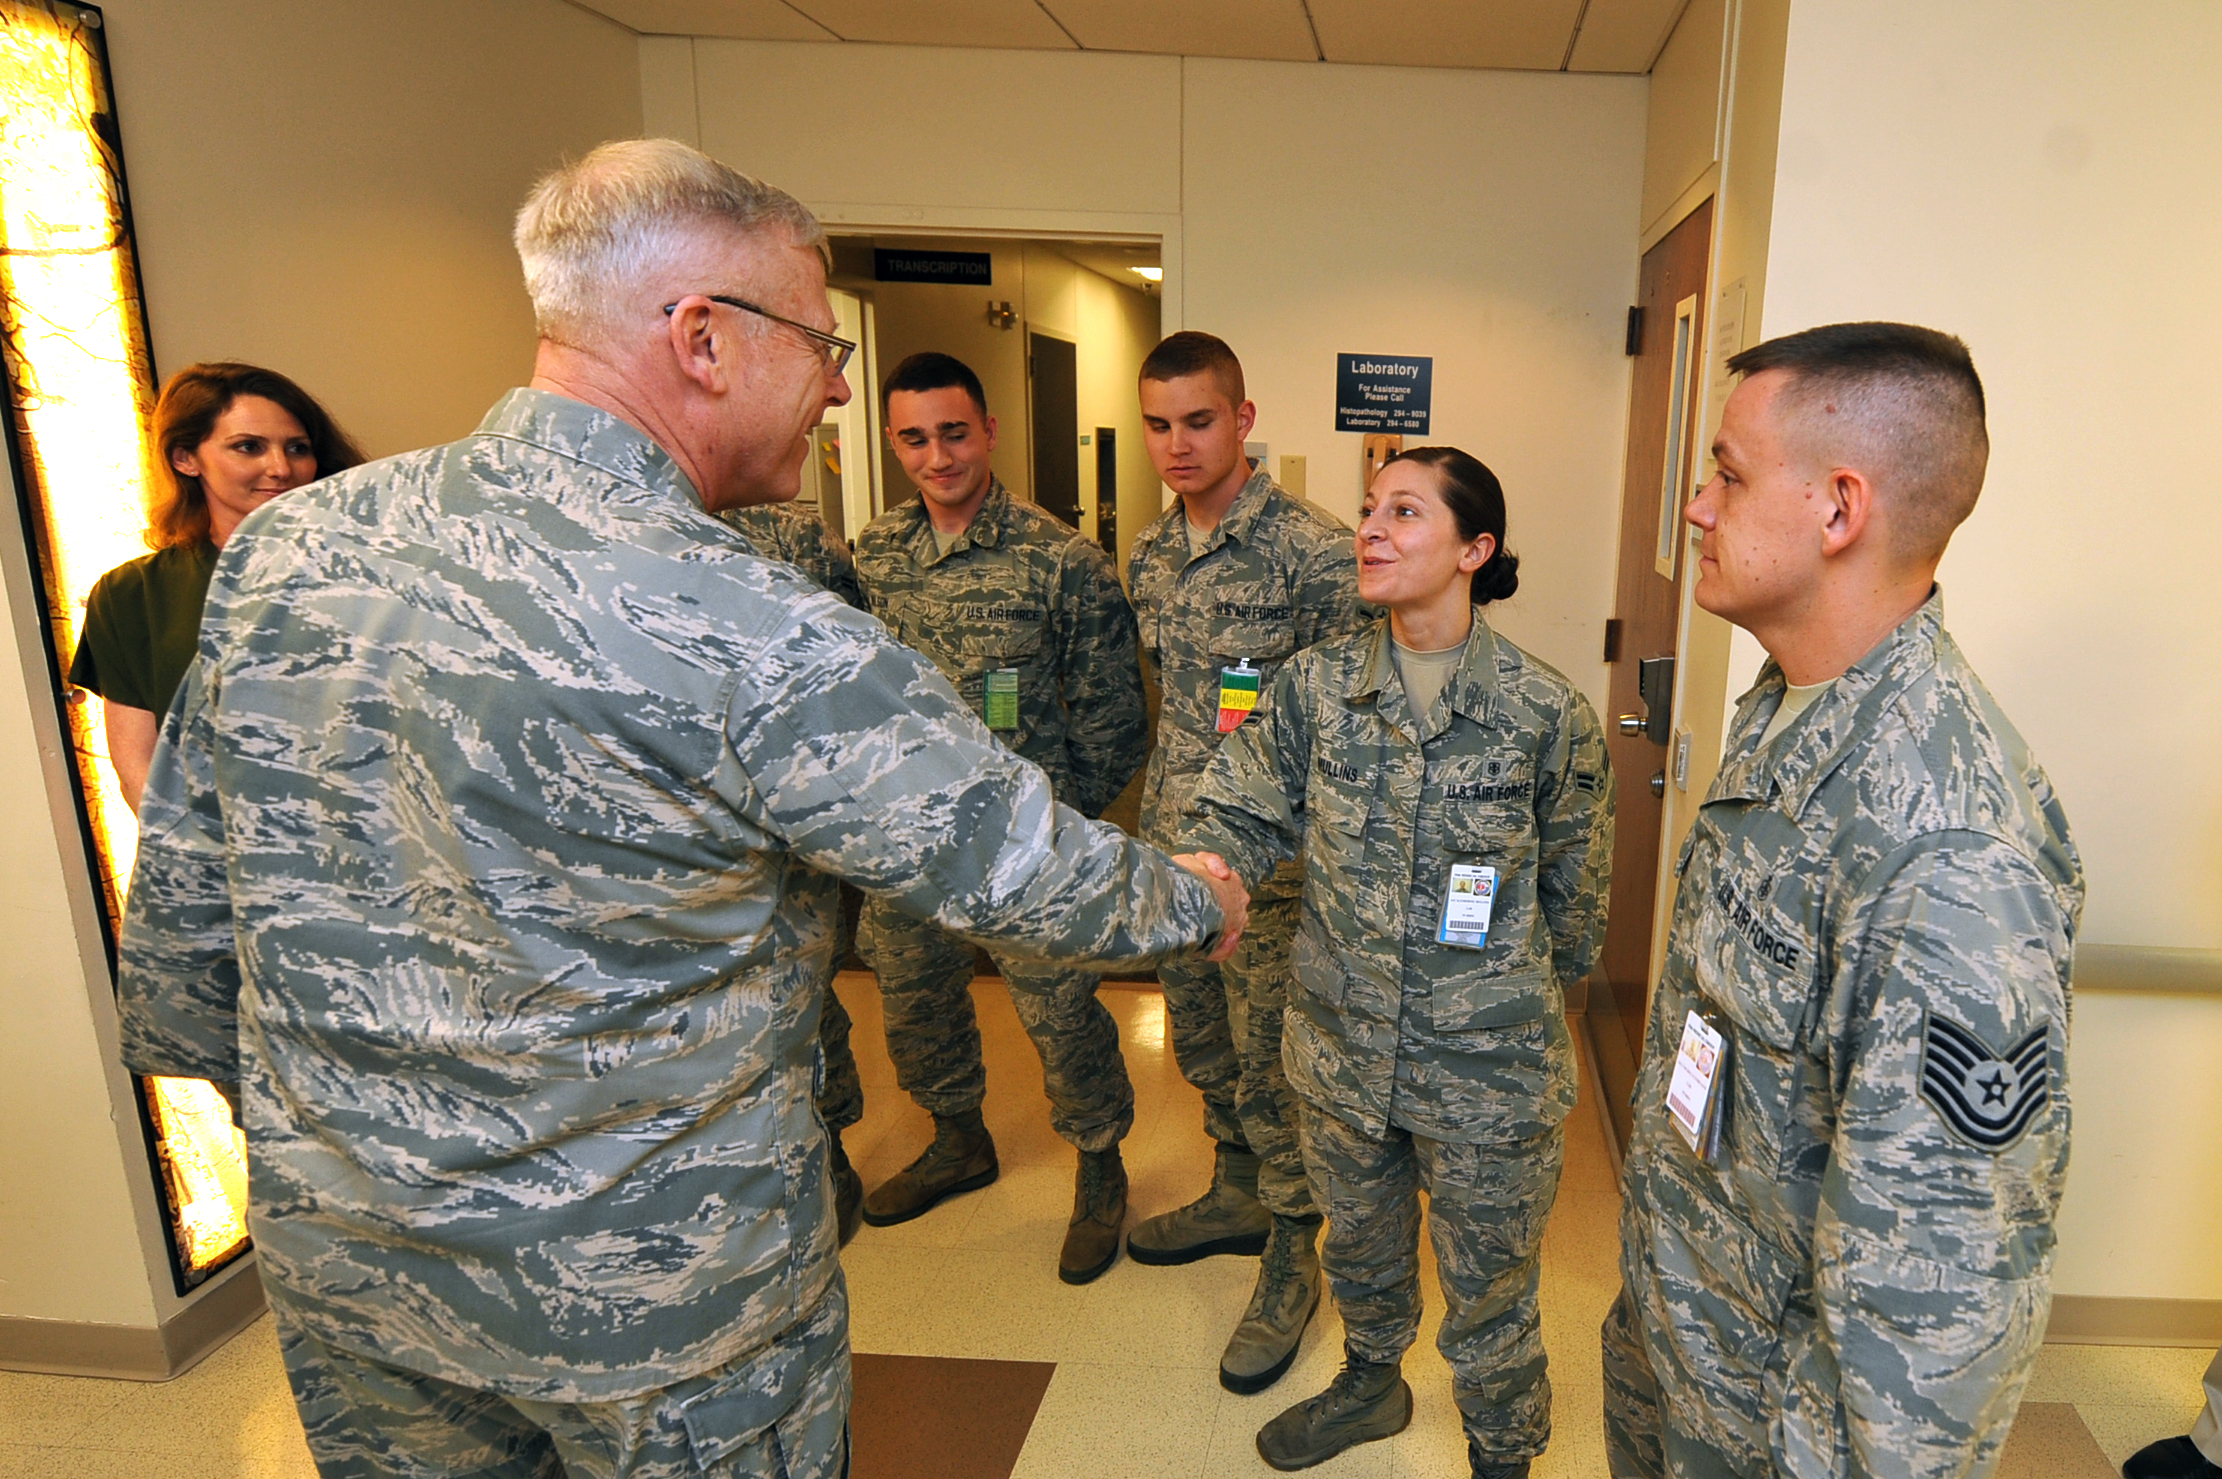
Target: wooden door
[(1662, 408)]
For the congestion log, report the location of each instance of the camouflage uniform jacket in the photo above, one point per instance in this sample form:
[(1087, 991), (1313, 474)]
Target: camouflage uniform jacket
[(1274, 577), (474, 840), (796, 532), (1388, 1025), (1880, 907), (1020, 589)]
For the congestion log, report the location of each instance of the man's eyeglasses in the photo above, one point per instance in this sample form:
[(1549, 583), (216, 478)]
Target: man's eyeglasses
[(835, 349)]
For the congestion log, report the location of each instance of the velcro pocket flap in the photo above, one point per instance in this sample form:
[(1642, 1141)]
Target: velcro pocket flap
[(1470, 1000)]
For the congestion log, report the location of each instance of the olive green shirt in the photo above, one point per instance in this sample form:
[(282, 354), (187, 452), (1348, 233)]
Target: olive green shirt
[(142, 627)]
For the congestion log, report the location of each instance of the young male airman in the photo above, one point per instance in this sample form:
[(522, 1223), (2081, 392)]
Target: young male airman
[(1230, 582)]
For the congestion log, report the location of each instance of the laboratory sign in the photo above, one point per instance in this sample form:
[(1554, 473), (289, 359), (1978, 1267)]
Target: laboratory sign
[(1383, 392)]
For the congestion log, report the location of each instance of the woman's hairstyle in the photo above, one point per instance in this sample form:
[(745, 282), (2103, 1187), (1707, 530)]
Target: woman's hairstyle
[(1476, 501), (185, 416)]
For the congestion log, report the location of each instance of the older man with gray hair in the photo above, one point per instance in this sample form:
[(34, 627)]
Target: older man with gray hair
[(492, 846)]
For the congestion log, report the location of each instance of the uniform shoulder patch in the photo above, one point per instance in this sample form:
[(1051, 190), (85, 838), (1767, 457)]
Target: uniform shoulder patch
[(1989, 1099)]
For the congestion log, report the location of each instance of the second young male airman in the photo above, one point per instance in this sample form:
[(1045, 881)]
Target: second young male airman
[(1026, 620), (1229, 583)]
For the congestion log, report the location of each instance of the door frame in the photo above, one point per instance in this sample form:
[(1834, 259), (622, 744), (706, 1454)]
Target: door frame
[(1700, 414)]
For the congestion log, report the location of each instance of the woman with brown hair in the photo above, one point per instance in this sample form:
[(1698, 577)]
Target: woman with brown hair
[(232, 438)]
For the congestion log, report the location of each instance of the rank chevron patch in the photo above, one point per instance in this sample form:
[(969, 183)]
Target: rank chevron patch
[(1987, 1098)]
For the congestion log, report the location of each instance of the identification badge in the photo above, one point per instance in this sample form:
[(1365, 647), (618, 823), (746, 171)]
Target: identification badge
[(1238, 695), (1467, 902), (1699, 1085), (1002, 704)]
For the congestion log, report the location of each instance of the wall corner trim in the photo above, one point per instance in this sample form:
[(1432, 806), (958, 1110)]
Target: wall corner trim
[(226, 1305), (2151, 968), (2082, 1319)]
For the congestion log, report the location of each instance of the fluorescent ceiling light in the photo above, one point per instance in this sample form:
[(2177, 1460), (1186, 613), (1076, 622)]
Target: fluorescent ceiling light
[(1154, 274)]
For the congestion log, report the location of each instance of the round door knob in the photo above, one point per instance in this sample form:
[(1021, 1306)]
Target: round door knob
[(1658, 785)]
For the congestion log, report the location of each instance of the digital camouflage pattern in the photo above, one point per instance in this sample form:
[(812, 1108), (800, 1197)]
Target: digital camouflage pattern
[(1423, 1065), (1275, 576), (796, 532), (473, 842), (1019, 588), (1859, 1283), (365, 1419), (1487, 1206), (933, 1029), (1386, 1026)]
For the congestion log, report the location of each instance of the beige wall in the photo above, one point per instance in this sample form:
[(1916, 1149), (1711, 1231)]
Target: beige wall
[(79, 1241), (1500, 241), (327, 189), (2039, 182)]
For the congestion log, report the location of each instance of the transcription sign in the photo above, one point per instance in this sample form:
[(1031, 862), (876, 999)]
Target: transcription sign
[(973, 268), (1383, 392)]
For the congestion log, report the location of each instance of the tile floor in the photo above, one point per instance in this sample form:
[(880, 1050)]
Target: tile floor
[(1135, 1391)]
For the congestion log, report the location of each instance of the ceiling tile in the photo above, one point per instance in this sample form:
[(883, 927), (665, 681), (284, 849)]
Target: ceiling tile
[(1270, 29), (1624, 35), (991, 23), (1529, 34), (746, 20)]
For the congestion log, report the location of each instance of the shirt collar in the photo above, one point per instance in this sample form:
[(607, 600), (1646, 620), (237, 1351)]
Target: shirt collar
[(1244, 512), (1807, 753), (1472, 690), (590, 435)]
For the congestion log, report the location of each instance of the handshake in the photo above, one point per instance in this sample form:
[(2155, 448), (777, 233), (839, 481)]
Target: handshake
[(1226, 886)]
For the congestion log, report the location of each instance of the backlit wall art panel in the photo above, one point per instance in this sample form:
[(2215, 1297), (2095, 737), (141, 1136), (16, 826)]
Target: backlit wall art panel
[(81, 390)]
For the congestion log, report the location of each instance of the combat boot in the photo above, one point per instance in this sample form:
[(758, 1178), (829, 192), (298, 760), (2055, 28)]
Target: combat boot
[(1098, 1212), (961, 1158), (1273, 1327), (1226, 1219), (1368, 1400), (848, 1191), (1494, 1468)]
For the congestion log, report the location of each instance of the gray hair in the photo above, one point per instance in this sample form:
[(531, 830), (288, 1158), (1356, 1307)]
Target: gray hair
[(628, 213)]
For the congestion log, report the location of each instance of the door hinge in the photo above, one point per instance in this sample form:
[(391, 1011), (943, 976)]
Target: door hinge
[(1635, 330), (1612, 639)]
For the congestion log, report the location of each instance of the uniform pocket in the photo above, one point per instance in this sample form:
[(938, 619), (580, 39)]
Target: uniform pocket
[(1263, 643), (1471, 1000), (782, 1408)]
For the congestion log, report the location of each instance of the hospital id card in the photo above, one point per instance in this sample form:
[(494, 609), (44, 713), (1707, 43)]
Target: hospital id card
[(1002, 704), (1698, 1085), (1238, 695), (1467, 902)]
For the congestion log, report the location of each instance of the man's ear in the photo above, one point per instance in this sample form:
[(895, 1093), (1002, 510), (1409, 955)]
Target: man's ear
[(1849, 502), (703, 351), (1245, 417)]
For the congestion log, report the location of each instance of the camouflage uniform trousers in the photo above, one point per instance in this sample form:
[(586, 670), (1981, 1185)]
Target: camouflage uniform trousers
[(933, 1032), (1487, 1205), (364, 1418), (1635, 1437), (1226, 1029)]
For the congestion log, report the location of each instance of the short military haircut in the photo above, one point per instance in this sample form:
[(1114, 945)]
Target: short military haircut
[(1189, 352), (1898, 402), (932, 370), (599, 230)]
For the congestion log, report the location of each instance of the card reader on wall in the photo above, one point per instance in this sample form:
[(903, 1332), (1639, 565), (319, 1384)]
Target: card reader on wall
[(1655, 687)]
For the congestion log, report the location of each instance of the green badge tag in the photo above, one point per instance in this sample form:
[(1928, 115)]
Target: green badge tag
[(1002, 698)]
